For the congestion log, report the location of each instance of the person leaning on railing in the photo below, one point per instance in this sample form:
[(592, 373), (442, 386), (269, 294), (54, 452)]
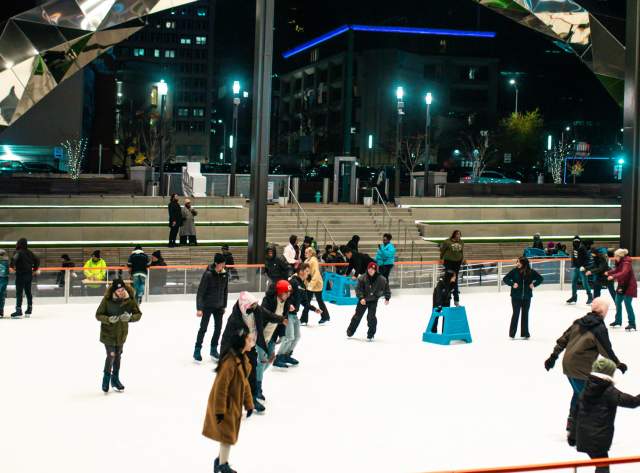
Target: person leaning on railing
[(582, 342), (95, 269)]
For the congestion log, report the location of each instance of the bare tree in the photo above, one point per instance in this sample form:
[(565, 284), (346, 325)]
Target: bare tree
[(411, 150), (478, 150)]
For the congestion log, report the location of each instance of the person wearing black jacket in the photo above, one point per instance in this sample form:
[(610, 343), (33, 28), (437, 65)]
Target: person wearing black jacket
[(580, 261), (442, 294), (175, 219), (598, 269), (276, 267), (358, 262), (537, 242), (138, 265), (213, 292), (371, 287), (354, 242), (596, 412), (277, 300), (522, 280), (24, 263), (158, 279), (66, 263), (248, 315), (229, 261)]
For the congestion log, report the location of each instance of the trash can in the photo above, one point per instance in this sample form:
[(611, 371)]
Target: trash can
[(441, 190), (282, 201), (368, 201)]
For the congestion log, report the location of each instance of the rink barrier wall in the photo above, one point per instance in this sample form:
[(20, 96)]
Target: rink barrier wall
[(475, 275), (569, 465)]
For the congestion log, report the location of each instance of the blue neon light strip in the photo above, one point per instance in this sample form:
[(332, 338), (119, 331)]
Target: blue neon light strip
[(386, 29)]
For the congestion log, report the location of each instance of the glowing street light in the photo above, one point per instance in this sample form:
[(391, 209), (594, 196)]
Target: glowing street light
[(163, 88), (236, 87), (399, 93), (514, 84)]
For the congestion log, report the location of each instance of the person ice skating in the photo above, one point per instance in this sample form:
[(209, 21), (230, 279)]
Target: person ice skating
[(358, 262), (95, 269), (229, 394), (386, 256), (442, 294), (314, 284), (597, 271), (248, 315), (65, 262), (522, 280), (138, 265), (229, 261), (580, 261), (275, 267), (292, 252), (452, 256), (117, 309), (371, 287), (299, 297), (537, 242), (596, 412), (158, 280), (4, 279), (188, 228), (175, 219), (627, 289), (213, 292), (24, 263), (276, 300), (583, 341)]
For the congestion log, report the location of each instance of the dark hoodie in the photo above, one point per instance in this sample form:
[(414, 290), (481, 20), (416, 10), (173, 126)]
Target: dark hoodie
[(584, 341), (276, 266), (581, 254), (372, 288), (596, 414), (442, 291), (213, 290), (353, 243), (24, 261), (359, 262)]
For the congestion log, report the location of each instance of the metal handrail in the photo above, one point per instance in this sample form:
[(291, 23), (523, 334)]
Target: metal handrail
[(386, 209), (318, 221)]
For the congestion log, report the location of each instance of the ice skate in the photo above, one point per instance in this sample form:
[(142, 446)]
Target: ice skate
[(115, 382), (259, 406), (589, 300), (28, 312), (260, 394), (630, 327), (370, 339), (615, 324), (279, 362), (324, 320), (197, 356), (214, 353), (291, 360), (572, 300), (17, 314), (225, 469), (106, 377)]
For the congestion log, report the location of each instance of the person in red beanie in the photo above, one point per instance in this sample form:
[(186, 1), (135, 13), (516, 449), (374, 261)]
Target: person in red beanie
[(371, 287)]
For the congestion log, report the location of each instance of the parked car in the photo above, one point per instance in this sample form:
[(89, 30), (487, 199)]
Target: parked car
[(11, 167), (40, 168), (489, 177)]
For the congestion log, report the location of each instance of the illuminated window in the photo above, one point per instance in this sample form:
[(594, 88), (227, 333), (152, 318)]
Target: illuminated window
[(201, 40), (183, 112), (169, 53), (170, 25), (156, 53), (185, 40), (138, 52), (202, 11), (198, 112)]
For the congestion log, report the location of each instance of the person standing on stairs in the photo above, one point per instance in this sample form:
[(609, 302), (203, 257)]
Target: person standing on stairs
[(25, 264), (188, 228), (522, 279), (211, 299), (117, 309), (627, 289), (175, 219), (452, 256)]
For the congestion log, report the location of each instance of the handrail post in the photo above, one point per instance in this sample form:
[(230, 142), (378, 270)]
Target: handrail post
[(562, 270), (434, 275), (67, 285), (500, 276), (146, 286), (401, 286)]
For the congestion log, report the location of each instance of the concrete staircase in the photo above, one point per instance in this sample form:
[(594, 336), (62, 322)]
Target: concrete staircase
[(343, 221)]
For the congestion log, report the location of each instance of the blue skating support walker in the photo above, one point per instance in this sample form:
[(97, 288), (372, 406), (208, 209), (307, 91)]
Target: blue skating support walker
[(337, 289), (456, 326)]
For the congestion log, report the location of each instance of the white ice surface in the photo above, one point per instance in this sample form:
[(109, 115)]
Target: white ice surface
[(395, 405)]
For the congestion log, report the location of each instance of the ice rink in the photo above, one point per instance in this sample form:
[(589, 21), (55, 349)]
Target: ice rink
[(395, 405)]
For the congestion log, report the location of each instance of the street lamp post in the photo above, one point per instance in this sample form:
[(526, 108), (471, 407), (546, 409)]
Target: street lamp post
[(399, 97), (234, 151), (515, 86), (224, 140), (427, 143), (163, 90)]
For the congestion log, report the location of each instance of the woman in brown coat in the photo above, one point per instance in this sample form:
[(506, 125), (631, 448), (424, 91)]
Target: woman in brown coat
[(314, 286), (230, 392)]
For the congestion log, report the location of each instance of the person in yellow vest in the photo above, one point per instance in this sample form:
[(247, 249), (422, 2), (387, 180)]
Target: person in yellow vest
[(95, 270)]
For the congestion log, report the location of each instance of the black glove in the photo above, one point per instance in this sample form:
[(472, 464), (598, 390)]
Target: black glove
[(571, 441), (550, 363), (623, 368), (219, 418), (249, 412)]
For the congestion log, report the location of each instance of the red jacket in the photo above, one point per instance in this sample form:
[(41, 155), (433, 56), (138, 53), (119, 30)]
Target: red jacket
[(626, 278)]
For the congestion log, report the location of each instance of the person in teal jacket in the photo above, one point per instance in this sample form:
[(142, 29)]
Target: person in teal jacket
[(386, 256), (4, 279), (522, 280)]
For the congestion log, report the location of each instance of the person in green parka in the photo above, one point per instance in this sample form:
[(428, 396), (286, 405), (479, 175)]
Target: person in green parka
[(452, 256), (117, 309), (522, 280)]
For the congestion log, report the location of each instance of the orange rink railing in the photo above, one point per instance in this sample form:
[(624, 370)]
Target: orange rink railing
[(569, 465)]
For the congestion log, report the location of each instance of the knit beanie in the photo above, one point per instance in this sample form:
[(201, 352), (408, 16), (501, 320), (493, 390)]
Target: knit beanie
[(218, 258), (157, 254), (372, 265), (604, 366), (117, 284)]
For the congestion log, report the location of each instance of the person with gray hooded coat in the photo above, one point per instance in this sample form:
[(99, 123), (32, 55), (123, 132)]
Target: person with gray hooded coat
[(188, 228)]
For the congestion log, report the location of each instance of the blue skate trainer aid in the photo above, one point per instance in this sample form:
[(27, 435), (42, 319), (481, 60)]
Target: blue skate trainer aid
[(337, 289), (455, 326)]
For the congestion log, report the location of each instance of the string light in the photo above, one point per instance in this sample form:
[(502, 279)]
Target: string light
[(76, 150)]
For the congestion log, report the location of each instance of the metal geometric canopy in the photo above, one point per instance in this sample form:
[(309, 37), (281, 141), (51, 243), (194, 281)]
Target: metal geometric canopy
[(575, 30), (46, 45)]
